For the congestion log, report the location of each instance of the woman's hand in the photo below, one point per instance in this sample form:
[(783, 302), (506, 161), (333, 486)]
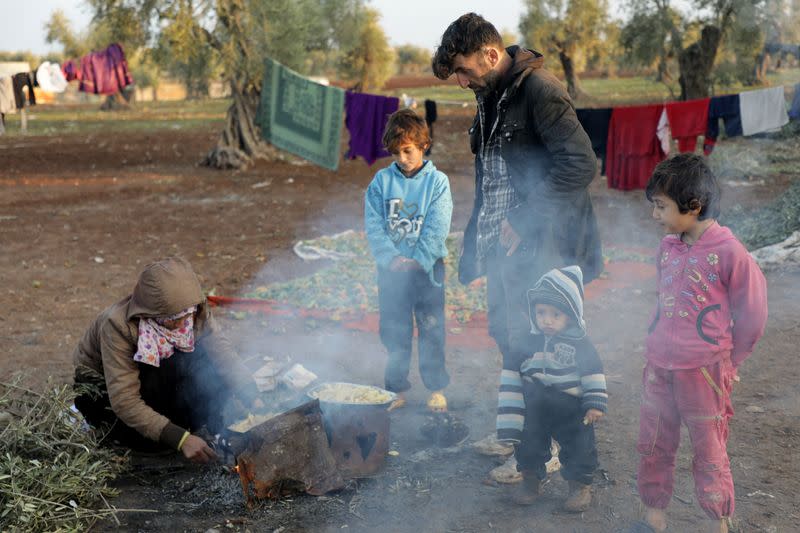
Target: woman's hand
[(592, 416), (197, 450)]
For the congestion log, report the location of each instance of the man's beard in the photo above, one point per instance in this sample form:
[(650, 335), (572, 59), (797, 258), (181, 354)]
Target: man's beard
[(491, 81)]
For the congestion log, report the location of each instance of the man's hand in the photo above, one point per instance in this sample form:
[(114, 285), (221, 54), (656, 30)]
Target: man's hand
[(509, 239), (592, 416), (197, 451), (257, 405)]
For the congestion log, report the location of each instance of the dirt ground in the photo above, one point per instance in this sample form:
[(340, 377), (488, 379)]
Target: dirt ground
[(80, 216)]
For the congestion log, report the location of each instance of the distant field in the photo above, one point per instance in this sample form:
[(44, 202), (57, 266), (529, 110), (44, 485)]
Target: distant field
[(87, 118)]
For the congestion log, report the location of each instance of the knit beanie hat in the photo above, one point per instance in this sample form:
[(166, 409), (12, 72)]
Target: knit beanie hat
[(561, 288)]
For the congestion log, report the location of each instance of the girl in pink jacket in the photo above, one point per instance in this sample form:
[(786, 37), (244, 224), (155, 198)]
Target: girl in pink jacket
[(712, 308)]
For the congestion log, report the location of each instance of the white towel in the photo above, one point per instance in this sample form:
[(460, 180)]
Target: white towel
[(50, 78), (763, 110), (7, 103)]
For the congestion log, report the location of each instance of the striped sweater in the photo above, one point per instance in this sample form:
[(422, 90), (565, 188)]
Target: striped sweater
[(568, 365)]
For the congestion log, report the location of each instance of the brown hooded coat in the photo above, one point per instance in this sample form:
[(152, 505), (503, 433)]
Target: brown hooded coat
[(107, 348)]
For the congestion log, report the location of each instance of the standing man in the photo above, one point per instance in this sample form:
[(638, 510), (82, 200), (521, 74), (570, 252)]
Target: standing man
[(533, 165)]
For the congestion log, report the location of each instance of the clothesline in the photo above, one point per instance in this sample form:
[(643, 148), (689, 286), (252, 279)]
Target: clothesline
[(104, 72)]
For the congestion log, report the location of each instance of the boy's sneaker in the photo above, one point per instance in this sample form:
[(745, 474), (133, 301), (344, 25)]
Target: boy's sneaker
[(527, 492), (437, 403), (399, 402), (580, 496)]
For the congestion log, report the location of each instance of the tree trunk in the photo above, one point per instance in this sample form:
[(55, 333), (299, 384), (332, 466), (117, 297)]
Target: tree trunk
[(696, 63), (240, 142), (761, 67), (573, 83)]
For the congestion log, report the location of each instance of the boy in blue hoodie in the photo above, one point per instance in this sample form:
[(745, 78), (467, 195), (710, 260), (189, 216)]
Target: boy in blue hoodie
[(407, 217), (555, 389)]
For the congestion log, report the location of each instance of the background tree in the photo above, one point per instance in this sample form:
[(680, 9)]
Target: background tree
[(412, 59), (370, 62), (693, 39), (238, 35), (58, 29), (572, 29), (647, 41), (182, 49)]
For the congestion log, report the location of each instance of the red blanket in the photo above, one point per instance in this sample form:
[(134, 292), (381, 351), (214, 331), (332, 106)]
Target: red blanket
[(687, 120), (633, 150)]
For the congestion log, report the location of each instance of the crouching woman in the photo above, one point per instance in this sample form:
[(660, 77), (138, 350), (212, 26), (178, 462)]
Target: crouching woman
[(157, 367)]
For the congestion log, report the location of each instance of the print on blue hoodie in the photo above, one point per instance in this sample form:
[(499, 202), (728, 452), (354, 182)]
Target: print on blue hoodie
[(408, 216)]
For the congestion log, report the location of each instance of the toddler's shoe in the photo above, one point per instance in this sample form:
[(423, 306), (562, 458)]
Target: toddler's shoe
[(580, 496), (527, 492), (437, 403)]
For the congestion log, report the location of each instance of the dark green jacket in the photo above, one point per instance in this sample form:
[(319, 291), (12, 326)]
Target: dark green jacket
[(551, 164)]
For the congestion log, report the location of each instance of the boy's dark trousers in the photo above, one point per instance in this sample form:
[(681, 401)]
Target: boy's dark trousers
[(185, 388), (403, 297), (550, 412)]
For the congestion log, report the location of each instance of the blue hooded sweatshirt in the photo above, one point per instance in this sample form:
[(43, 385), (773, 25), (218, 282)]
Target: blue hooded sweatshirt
[(408, 216)]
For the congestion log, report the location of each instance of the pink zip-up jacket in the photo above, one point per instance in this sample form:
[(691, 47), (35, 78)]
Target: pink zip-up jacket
[(712, 301)]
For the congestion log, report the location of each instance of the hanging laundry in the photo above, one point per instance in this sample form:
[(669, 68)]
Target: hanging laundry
[(726, 108), (20, 81), (105, 72), (688, 120), (71, 70), (431, 114), (7, 101), (794, 111), (301, 116), (763, 110), (595, 123), (365, 118), (50, 78), (86, 75), (663, 133), (633, 149), (115, 58)]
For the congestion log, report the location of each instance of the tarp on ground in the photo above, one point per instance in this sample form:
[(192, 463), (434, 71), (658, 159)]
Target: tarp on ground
[(301, 116)]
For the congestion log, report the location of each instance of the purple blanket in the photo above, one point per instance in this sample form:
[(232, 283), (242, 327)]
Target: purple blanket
[(366, 116), (105, 72)]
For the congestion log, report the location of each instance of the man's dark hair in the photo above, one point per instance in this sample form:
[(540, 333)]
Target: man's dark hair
[(687, 179), (405, 126), (468, 34)]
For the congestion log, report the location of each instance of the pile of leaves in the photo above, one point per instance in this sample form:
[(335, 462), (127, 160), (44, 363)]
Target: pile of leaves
[(53, 475), (350, 285), (769, 224)]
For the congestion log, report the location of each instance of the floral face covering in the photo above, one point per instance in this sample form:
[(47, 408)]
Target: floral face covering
[(157, 342)]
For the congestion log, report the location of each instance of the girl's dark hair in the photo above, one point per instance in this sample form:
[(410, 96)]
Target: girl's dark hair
[(405, 126), (468, 34), (687, 179)]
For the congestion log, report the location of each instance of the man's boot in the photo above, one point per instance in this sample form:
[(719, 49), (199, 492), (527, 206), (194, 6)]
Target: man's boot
[(580, 496), (528, 491)]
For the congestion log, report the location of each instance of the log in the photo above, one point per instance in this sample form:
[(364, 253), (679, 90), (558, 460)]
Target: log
[(288, 453)]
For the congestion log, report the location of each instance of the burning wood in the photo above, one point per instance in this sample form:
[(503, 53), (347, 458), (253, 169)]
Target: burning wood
[(288, 452)]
